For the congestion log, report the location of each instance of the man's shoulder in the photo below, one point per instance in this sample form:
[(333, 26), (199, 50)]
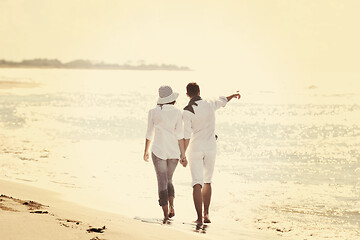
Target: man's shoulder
[(197, 104), (204, 103)]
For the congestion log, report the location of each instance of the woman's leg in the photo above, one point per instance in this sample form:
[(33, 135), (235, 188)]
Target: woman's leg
[(171, 166), (162, 179)]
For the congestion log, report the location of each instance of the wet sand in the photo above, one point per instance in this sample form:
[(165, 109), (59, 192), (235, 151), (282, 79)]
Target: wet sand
[(17, 84), (31, 213)]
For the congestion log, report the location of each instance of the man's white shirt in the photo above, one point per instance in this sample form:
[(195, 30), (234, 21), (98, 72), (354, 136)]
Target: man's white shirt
[(199, 126)]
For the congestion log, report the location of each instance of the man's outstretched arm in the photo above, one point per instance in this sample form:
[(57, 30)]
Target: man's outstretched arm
[(222, 101), (235, 95)]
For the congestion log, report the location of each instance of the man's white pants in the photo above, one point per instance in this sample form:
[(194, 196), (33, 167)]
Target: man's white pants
[(201, 166)]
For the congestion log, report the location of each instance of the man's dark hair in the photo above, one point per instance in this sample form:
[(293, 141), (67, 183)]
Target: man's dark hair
[(193, 89)]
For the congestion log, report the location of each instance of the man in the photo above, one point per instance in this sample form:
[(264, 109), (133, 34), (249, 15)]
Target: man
[(200, 142)]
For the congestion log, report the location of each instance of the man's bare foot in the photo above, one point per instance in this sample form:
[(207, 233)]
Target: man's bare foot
[(165, 220), (199, 222), (206, 219), (171, 212)]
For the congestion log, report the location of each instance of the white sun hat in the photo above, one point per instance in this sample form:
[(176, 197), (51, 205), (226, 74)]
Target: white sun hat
[(166, 95)]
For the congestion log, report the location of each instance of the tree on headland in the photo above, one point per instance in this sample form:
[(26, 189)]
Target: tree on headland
[(42, 62)]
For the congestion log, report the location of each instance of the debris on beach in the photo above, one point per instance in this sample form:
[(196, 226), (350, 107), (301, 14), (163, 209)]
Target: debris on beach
[(40, 212), (97, 230)]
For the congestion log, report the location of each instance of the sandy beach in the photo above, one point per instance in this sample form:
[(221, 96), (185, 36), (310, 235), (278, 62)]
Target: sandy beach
[(31, 213)]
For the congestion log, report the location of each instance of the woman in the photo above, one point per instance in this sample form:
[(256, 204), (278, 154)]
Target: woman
[(165, 120)]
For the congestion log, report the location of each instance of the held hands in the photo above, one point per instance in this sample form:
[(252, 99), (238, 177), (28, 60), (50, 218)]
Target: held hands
[(183, 161)]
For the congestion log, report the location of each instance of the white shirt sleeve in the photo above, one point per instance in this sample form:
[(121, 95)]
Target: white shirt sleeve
[(187, 124), (179, 130), (218, 103), (150, 126)]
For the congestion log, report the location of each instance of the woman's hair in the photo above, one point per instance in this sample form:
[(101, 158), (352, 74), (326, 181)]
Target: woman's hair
[(169, 103)]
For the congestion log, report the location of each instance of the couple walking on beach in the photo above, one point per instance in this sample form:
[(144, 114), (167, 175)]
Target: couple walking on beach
[(175, 132)]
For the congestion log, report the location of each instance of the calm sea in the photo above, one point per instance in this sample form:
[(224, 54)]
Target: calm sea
[(288, 161)]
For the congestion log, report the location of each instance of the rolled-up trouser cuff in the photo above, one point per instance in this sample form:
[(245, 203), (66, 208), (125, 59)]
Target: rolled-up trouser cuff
[(171, 190), (198, 182)]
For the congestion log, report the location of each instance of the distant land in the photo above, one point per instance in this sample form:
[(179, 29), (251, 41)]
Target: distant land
[(86, 64)]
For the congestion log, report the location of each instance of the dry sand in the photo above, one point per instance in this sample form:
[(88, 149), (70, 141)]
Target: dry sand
[(31, 213)]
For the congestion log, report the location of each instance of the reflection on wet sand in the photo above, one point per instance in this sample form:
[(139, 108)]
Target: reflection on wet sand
[(201, 228), (17, 84)]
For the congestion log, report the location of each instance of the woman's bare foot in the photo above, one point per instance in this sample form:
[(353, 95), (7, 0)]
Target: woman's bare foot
[(166, 213), (171, 212), (207, 219)]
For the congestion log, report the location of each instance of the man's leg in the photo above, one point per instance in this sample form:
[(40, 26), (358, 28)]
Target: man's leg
[(206, 196), (197, 196), (196, 168), (209, 164)]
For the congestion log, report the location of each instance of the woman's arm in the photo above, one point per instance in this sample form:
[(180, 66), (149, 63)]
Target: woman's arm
[(179, 132), (149, 135), (146, 151)]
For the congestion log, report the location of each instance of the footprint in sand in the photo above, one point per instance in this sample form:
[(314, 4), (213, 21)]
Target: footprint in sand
[(69, 223)]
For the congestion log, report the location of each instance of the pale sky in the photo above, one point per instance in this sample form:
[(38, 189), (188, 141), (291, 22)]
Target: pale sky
[(249, 35)]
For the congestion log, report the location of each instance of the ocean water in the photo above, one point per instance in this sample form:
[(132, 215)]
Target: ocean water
[(288, 163)]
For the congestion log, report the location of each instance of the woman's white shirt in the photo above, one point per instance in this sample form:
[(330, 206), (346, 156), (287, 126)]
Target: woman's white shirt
[(166, 127)]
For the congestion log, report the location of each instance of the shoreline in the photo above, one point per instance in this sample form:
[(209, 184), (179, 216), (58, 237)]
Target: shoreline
[(32, 213)]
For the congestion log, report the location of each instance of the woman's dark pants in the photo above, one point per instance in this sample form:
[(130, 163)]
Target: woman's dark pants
[(164, 172)]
